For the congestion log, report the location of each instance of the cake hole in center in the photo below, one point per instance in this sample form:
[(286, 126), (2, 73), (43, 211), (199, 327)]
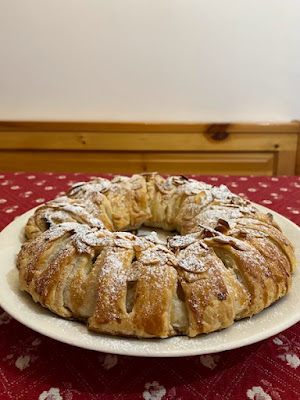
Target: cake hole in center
[(161, 233)]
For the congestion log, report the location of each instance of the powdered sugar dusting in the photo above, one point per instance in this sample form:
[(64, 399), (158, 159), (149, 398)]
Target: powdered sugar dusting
[(99, 185), (193, 264), (180, 242)]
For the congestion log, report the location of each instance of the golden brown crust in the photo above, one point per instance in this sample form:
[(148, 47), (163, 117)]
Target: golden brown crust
[(209, 302), (231, 262)]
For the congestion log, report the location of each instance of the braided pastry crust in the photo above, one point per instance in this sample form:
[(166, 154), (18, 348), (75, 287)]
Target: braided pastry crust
[(229, 262)]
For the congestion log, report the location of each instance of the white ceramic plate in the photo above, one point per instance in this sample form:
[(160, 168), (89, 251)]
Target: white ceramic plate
[(20, 305)]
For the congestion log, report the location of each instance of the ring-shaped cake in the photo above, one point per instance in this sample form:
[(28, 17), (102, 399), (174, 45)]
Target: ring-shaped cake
[(228, 260)]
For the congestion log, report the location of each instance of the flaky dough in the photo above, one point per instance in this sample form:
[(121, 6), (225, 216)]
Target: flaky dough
[(229, 262)]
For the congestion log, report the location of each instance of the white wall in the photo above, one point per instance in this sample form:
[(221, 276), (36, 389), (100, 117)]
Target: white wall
[(154, 60)]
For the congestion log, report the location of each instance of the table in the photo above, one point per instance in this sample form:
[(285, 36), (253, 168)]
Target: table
[(33, 366)]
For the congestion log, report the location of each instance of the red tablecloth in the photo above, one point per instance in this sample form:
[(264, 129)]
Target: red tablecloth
[(33, 366)]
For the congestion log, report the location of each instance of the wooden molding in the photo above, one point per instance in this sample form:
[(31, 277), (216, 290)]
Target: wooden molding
[(54, 126)]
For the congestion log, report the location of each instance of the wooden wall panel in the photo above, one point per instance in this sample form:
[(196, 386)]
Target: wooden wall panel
[(135, 147)]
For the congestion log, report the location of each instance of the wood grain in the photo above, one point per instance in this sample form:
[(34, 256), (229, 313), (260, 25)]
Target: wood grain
[(286, 162), (129, 163), (120, 141)]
